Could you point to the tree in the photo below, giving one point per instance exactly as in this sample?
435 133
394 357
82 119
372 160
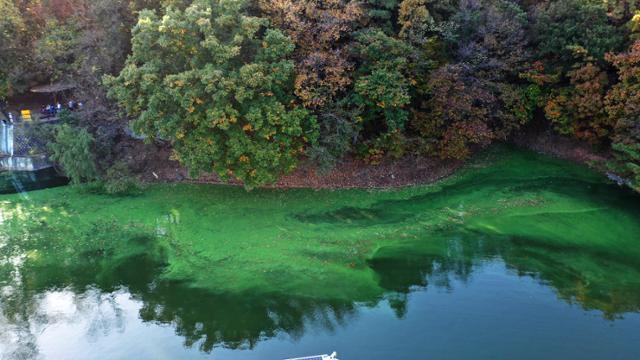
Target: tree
382 14
480 96
321 31
458 109
54 50
622 10
578 109
382 87
562 25
210 80
72 150
623 106
13 54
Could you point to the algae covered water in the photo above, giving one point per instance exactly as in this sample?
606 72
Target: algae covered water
517 256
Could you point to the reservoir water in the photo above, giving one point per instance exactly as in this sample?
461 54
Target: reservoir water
518 256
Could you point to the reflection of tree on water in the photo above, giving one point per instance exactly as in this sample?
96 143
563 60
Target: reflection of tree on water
587 277
134 263
236 321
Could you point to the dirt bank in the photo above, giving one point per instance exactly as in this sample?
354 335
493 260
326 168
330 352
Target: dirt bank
151 163
548 143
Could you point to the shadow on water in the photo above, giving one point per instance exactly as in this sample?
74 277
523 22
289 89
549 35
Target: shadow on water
20 181
485 179
397 211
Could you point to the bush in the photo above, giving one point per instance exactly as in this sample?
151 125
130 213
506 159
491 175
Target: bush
72 150
393 144
119 181
337 133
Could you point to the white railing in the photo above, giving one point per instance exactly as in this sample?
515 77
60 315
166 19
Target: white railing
6 139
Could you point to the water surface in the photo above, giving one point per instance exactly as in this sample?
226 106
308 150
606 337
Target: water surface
518 256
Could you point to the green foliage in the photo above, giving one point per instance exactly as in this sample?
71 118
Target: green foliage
628 161
72 150
12 52
54 51
382 13
119 181
393 144
206 79
562 25
246 89
382 87
337 135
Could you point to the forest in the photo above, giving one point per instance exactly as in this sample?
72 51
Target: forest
250 89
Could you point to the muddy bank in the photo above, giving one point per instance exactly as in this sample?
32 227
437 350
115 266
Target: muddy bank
151 162
549 143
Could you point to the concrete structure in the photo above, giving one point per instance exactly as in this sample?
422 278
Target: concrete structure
19 151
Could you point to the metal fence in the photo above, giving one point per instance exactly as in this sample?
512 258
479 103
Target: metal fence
20 148
20 140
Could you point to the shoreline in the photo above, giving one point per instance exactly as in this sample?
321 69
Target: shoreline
152 165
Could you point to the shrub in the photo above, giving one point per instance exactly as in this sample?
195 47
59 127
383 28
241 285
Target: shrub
72 150
118 180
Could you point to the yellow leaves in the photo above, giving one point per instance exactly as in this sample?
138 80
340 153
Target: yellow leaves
223 122
191 109
269 134
253 173
268 93
203 22
209 141
199 101
178 83
144 20
247 127
174 156
381 104
244 159
179 135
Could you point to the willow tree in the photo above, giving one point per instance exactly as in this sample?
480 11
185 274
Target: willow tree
218 84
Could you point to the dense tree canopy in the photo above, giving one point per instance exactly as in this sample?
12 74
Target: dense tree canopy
216 83
247 89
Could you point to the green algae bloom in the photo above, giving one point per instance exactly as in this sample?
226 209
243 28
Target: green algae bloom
267 259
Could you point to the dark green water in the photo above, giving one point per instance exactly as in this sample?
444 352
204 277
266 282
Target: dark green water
18 181
517 257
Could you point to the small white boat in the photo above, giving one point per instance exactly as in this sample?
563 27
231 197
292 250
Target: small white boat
317 357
